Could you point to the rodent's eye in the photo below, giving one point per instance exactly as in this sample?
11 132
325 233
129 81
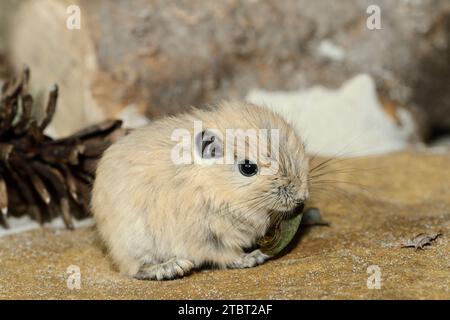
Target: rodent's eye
248 168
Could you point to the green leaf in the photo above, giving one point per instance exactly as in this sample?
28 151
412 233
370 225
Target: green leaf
280 235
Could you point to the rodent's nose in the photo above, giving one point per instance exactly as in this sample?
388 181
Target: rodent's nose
299 205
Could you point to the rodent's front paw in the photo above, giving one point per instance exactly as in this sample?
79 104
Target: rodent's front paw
174 268
249 260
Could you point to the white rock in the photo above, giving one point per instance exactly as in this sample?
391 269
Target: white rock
349 121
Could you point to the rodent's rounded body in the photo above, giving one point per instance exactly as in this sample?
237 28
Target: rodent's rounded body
160 219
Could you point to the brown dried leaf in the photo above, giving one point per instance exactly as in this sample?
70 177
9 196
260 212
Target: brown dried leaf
89 166
26 194
50 174
51 108
40 188
67 218
95 147
41 168
23 123
56 179
36 181
60 153
84 191
5 152
421 240
71 183
87 178
8 111
97 129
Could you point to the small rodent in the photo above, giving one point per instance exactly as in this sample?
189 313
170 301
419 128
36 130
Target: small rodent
159 220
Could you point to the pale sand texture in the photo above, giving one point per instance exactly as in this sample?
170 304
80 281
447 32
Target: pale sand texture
408 193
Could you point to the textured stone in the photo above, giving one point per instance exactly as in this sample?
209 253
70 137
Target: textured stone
166 55
403 195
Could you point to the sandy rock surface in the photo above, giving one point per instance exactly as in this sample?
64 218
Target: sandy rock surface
403 195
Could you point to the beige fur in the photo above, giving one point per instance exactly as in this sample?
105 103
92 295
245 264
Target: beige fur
159 220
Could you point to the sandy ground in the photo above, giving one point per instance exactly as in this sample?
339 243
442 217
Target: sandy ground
402 195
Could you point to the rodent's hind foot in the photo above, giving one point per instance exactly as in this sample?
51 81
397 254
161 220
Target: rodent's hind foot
249 260
174 268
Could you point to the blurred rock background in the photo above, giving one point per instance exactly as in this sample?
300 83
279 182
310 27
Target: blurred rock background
319 63
162 56
5 9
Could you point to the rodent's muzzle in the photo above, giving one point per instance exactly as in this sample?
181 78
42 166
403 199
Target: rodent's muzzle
300 206
298 209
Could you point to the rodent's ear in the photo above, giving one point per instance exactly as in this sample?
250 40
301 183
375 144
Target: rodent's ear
209 144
